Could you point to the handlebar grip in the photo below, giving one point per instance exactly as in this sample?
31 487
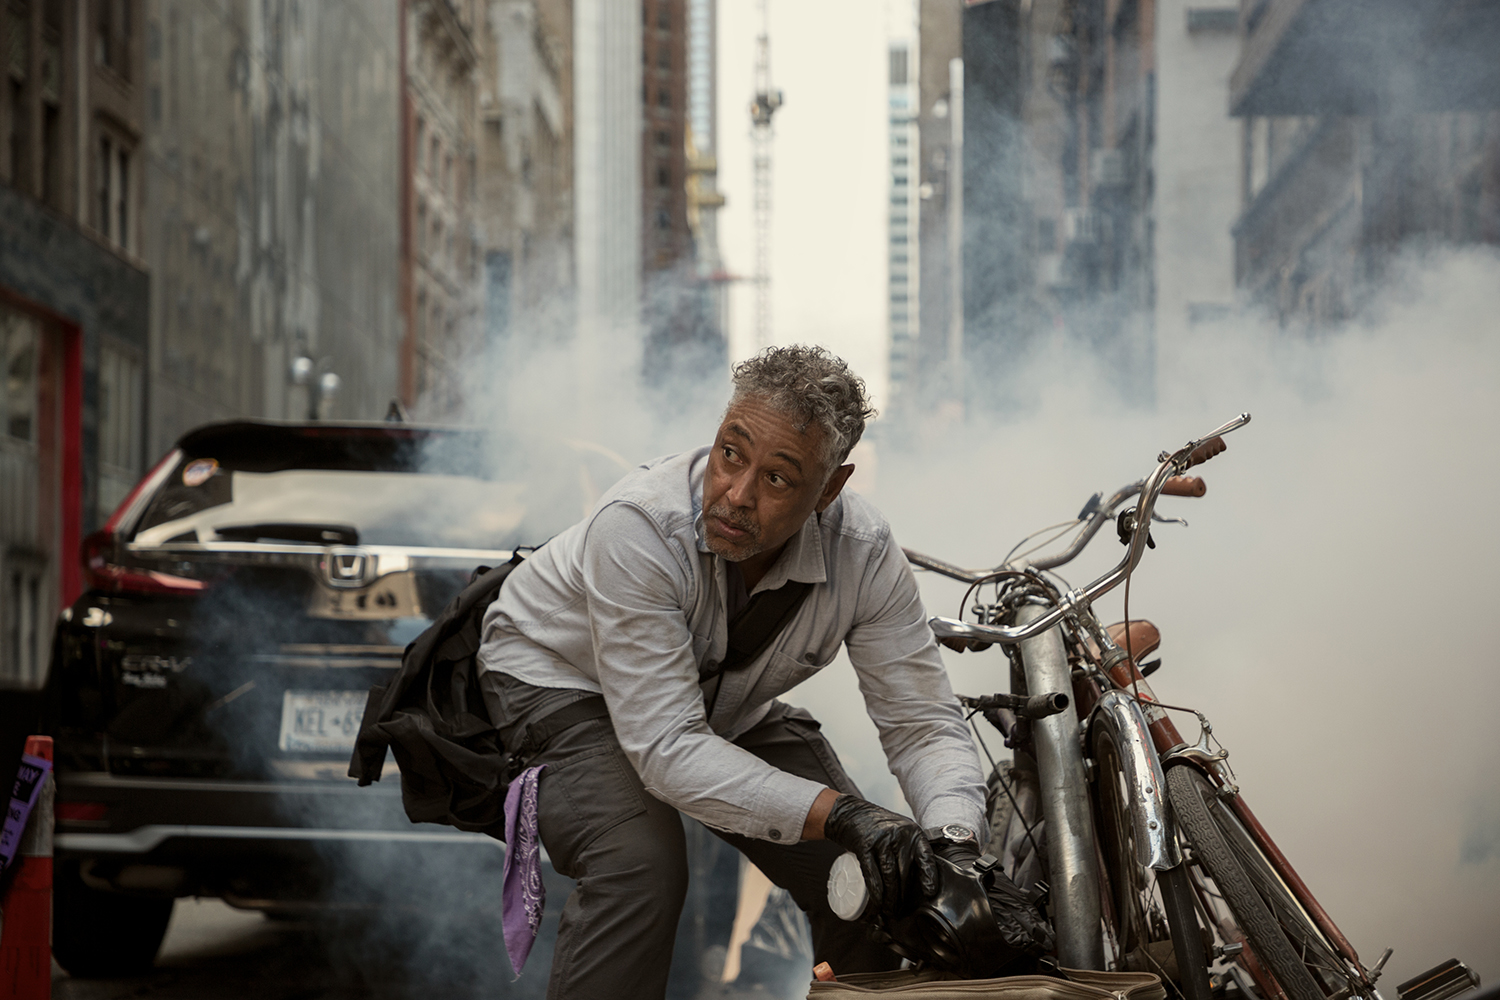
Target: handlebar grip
1185 486
1208 449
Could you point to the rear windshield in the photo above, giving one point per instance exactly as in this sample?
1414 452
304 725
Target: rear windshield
204 501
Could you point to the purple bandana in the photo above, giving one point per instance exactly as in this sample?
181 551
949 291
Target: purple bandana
523 896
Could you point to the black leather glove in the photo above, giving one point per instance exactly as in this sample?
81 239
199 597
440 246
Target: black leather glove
893 853
962 853
1021 923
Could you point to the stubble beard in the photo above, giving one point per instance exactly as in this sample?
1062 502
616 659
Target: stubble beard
725 549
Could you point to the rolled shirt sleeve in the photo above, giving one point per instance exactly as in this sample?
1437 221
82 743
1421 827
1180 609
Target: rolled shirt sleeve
908 696
638 587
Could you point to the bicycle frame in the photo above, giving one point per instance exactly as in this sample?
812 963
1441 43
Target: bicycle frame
1140 721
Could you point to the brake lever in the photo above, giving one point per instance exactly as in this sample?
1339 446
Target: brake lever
1125 528
1168 520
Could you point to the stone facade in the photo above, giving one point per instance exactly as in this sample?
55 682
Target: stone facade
73 301
272 217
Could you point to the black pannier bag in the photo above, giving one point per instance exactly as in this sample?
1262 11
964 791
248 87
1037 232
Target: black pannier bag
432 717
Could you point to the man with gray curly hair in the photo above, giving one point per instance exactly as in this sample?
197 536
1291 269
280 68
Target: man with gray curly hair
637 660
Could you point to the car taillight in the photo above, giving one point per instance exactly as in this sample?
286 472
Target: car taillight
80 810
104 574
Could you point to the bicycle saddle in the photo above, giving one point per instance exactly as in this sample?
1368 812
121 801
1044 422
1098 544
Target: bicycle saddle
1144 637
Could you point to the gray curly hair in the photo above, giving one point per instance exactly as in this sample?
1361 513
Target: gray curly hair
810 386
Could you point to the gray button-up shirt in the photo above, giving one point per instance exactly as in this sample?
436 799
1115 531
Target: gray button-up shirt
630 601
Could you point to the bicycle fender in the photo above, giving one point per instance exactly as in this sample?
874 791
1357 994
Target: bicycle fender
1155 838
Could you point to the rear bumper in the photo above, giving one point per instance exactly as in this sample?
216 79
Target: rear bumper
153 837
253 843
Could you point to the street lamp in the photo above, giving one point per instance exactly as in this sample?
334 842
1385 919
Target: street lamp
321 389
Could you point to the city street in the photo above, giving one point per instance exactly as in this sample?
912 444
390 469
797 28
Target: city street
213 951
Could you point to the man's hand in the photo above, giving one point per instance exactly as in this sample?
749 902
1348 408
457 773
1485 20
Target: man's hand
892 851
962 853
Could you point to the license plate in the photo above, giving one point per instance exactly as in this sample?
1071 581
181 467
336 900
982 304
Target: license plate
321 720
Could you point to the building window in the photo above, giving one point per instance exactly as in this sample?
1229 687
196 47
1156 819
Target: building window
663 98
122 198
112 35
19 335
898 67
663 176
51 186
17 118
112 191
664 139
106 157
24 614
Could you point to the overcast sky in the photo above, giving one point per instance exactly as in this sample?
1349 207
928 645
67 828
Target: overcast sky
828 229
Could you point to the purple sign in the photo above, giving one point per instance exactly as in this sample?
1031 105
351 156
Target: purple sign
30 778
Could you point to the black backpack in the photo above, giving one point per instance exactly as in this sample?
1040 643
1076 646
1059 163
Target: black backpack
454 768
432 716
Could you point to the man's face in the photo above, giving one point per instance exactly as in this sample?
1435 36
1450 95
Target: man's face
765 479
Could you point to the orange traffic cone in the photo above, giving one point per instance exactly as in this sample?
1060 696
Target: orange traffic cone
26 909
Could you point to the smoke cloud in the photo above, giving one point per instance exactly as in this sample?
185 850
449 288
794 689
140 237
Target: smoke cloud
1326 608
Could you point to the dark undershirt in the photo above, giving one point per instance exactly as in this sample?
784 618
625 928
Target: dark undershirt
736 594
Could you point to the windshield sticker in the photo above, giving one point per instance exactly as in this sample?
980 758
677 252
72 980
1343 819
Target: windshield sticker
199 470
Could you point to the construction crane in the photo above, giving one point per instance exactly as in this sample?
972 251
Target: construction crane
767 100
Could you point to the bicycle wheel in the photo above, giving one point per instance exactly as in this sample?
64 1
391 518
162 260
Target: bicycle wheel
1150 919
1284 938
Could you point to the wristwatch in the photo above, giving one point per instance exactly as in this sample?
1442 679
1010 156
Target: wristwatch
954 833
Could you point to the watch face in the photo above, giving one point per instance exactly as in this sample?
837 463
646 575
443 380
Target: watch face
958 833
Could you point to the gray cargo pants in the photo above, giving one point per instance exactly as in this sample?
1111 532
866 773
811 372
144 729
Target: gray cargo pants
626 849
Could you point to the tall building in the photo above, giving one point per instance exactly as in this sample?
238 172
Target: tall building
681 308
1363 131
73 300
441 255
272 210
934 362
903 274
703 197
1098 171
525 177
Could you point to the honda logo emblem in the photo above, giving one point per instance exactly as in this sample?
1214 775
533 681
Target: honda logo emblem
347 567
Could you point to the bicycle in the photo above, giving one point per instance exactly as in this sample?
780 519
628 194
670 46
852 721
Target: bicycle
1154 860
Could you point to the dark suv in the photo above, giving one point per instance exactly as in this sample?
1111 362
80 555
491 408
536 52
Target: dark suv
206 689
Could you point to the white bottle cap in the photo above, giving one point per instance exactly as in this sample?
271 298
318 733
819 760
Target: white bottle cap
847 893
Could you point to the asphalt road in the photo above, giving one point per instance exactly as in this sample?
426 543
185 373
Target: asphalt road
212 951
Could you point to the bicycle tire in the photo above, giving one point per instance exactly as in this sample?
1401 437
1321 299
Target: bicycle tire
1207 824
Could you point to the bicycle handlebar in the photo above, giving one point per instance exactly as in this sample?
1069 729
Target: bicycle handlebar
1184 486
1169 464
